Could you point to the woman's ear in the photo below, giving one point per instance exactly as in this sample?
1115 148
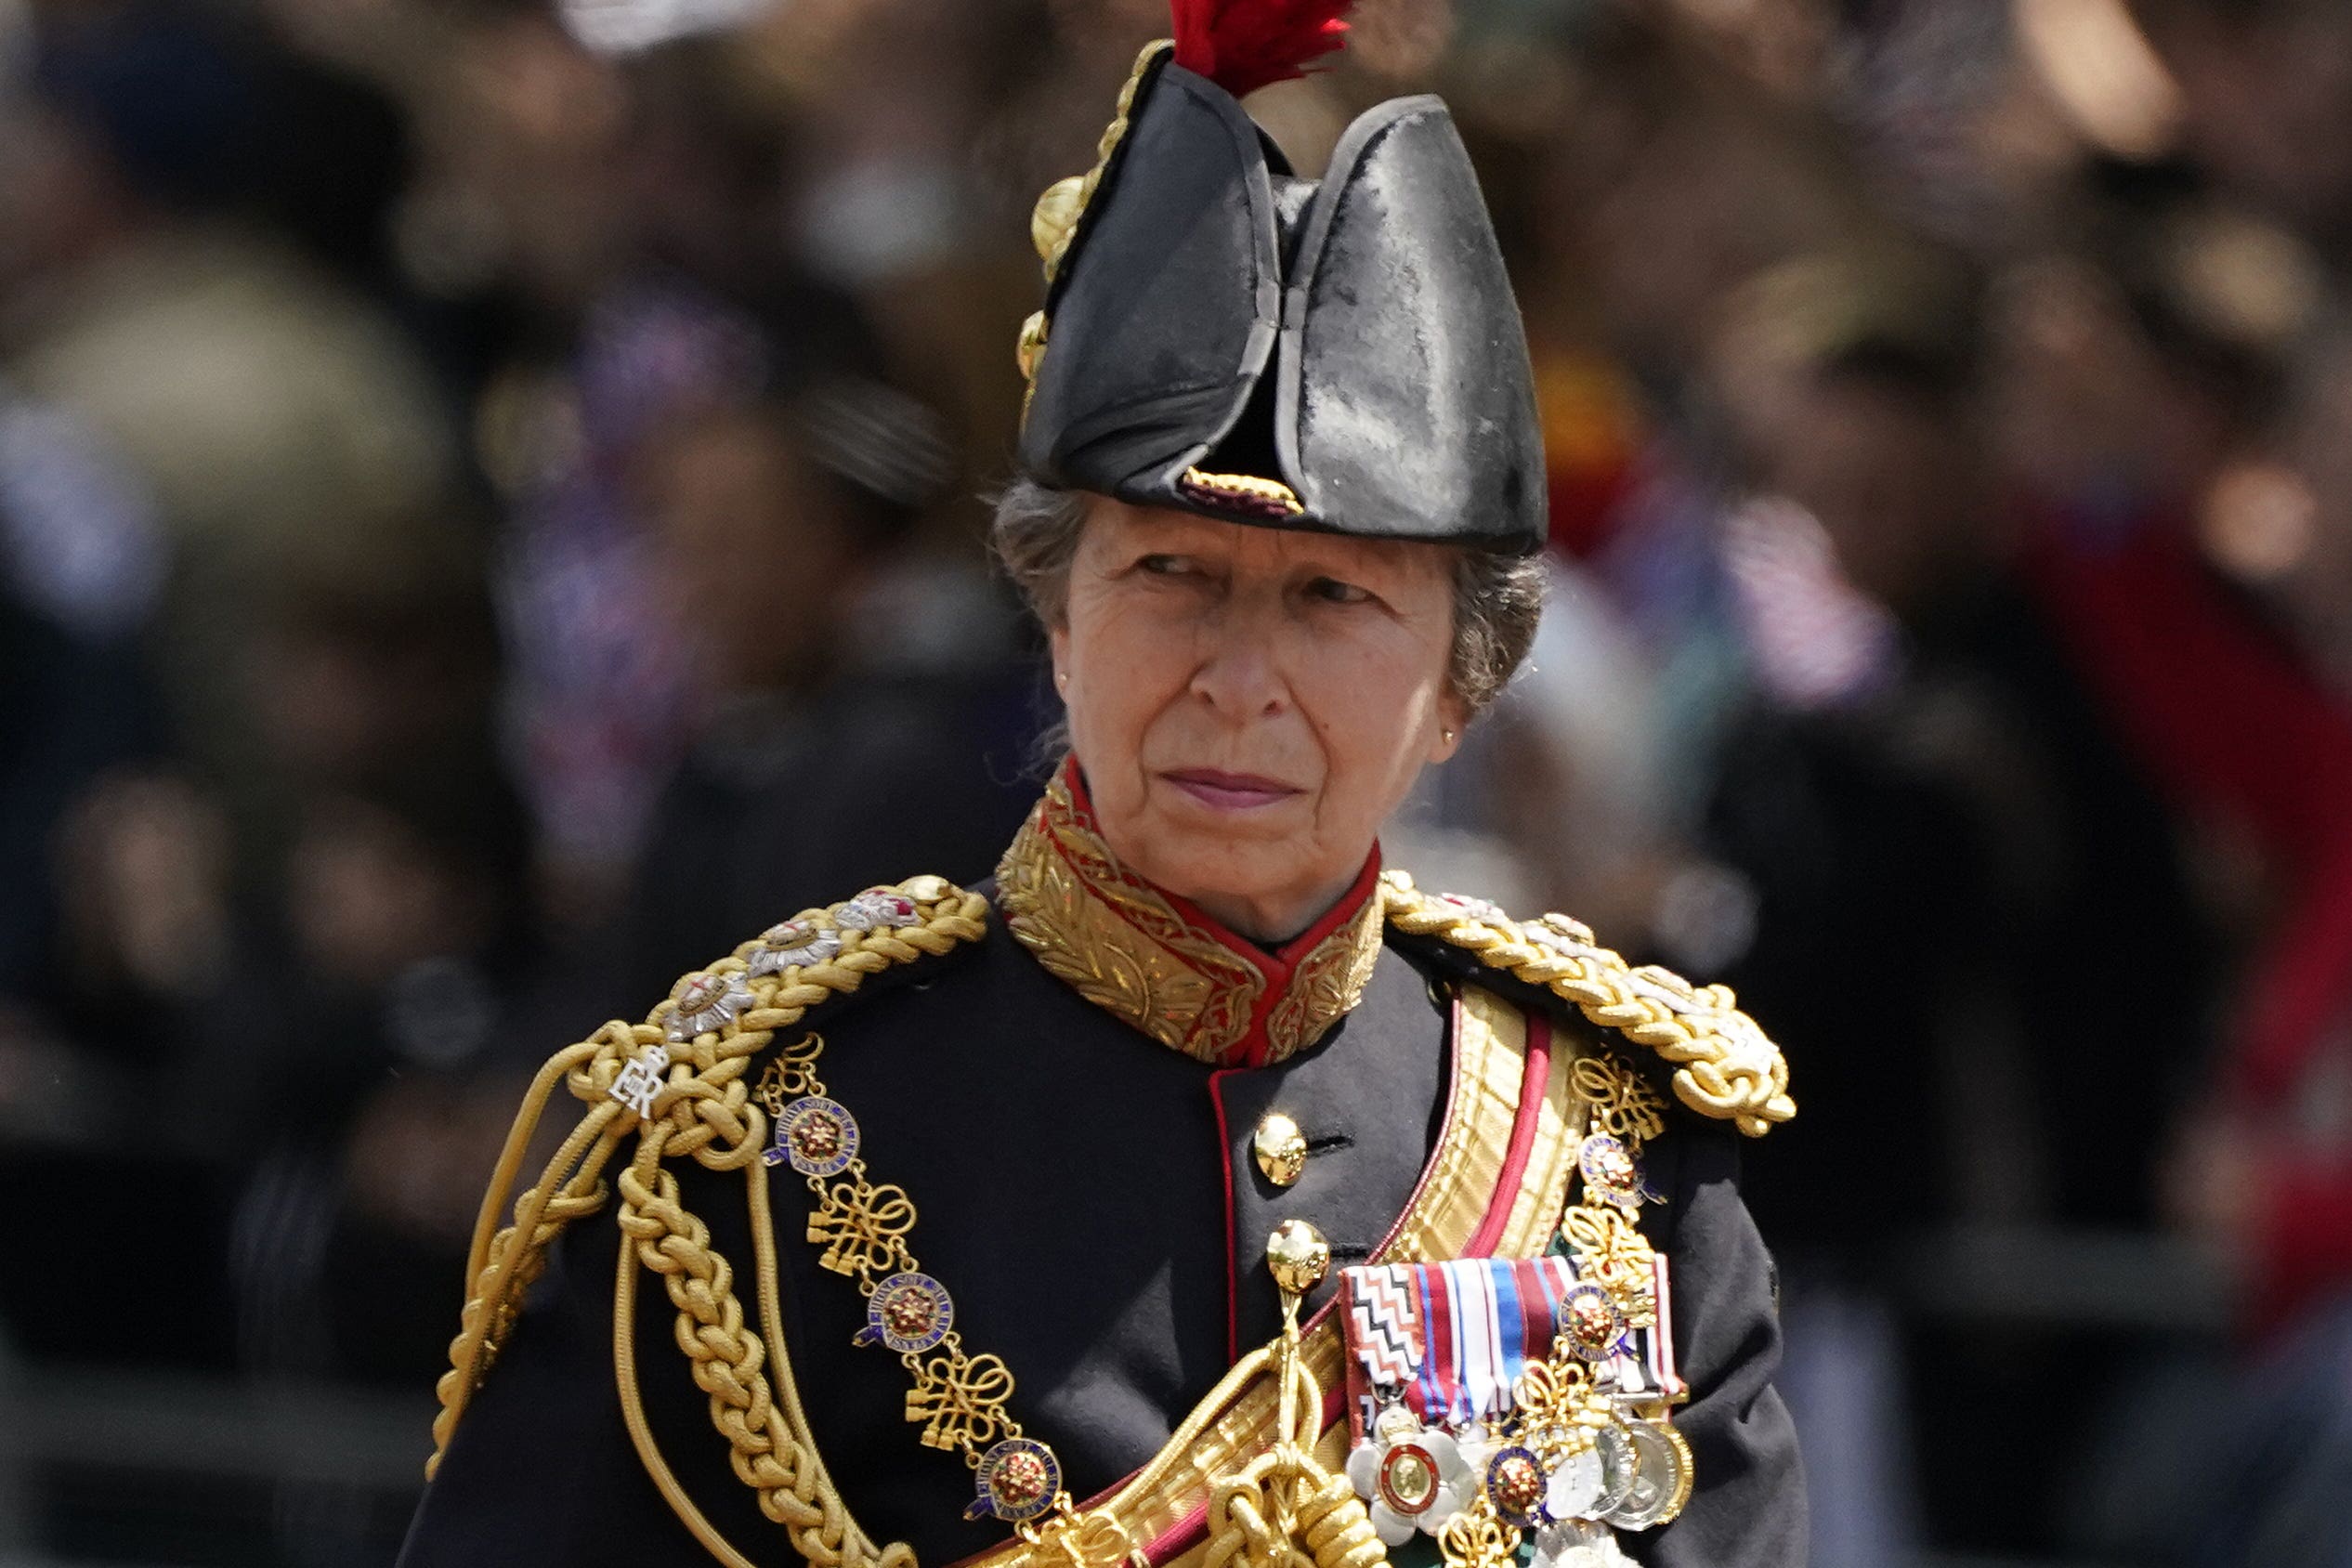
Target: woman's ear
1453 717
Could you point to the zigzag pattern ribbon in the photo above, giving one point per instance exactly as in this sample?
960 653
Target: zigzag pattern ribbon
1384 1322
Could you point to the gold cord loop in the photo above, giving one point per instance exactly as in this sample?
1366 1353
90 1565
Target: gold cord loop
704 1107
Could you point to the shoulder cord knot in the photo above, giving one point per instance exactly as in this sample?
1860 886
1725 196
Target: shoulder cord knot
704 1109
1285 1511
1724 1065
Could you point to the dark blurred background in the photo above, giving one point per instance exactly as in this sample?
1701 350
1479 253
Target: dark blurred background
489 517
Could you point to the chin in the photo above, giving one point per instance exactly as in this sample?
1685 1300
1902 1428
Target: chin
1196 870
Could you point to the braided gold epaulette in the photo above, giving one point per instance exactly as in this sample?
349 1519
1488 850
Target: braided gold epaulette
1724 1065
678 1081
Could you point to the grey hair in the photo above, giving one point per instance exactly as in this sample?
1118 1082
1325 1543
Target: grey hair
1498 599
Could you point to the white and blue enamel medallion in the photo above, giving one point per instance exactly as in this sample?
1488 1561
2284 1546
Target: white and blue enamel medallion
816 1135
1019 1479
910 1313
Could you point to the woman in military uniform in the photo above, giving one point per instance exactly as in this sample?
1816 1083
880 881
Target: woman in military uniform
1197 1192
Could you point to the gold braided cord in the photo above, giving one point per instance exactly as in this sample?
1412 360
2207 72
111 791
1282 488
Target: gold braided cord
502 1268
510 1157
727 1360
1283 1510
624 1365
810 1479
703 1109
1724 1065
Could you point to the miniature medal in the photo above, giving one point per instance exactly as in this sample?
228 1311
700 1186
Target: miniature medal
1576 1487
1613 1447
816 1135
1019 1480
910 1313
1409 1480
1516 1484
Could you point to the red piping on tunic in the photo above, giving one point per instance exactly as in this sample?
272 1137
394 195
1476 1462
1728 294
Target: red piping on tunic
1233 1241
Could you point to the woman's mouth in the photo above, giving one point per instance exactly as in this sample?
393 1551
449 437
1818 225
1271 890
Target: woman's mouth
1220 790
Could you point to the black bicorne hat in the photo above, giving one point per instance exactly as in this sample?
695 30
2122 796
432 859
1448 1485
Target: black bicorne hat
1223 337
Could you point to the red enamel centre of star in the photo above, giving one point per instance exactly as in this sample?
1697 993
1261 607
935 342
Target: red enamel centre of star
1020 1478
1518 1484
909 1312
1591 1319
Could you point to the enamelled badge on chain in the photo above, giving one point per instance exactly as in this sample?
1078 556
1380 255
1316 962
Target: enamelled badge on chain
1493 1397
960 1400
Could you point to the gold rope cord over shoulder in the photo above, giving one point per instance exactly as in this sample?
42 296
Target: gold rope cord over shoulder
678 1080
1724 1065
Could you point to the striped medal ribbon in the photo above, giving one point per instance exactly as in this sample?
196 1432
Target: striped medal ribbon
1447 1340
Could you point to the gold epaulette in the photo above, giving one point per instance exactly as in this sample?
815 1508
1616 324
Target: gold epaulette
678 1080
1724 1066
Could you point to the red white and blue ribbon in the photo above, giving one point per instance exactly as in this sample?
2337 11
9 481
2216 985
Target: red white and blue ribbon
1448 1340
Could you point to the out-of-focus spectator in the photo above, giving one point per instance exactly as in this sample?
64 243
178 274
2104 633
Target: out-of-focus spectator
833 745
1964 883
72 715
635 204
277 426
2266 100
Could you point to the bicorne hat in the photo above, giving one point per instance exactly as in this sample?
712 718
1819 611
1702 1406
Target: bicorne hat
1224 337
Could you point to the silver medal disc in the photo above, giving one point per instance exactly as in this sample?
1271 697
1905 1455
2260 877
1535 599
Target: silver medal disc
1660 1480
1620 1468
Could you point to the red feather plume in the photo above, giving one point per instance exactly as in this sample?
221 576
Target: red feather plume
1243 45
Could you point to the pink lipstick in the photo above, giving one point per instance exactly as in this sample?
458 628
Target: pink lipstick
1229 791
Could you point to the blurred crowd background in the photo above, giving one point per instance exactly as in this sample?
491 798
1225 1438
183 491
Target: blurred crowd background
490 498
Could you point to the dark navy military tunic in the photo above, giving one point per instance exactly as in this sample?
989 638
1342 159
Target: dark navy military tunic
1091 1200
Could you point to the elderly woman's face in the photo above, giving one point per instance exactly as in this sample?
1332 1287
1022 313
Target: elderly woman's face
1250 703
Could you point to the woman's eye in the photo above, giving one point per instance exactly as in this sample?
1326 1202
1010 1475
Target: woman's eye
1165 565
1330 590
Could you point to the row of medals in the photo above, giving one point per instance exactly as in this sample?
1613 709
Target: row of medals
1576 1454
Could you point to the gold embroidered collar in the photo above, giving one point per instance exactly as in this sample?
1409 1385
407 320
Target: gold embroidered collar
1161 964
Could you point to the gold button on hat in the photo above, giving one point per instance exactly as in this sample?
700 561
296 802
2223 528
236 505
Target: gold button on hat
1281 1149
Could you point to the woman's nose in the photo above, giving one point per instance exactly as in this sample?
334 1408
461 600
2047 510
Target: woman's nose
1238 674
